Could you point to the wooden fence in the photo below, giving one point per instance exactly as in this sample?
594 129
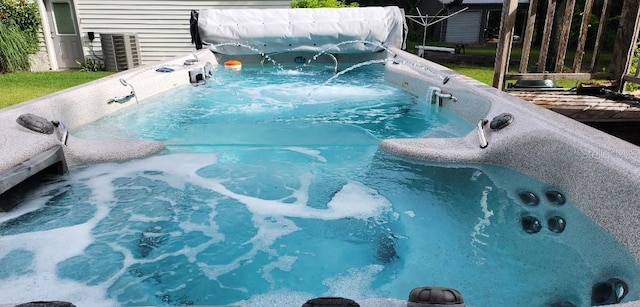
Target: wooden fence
624 46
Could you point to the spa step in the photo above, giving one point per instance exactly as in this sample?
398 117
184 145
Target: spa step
51 160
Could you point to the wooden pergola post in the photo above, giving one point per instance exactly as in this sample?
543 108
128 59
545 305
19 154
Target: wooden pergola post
546 35
584 27
564 35
602 26
626 39
626 43
503 50
528 36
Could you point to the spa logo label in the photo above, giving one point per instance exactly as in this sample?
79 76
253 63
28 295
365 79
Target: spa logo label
605 154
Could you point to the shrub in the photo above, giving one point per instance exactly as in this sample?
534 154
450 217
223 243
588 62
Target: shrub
321 3
19 24
630 86
91 65
14 55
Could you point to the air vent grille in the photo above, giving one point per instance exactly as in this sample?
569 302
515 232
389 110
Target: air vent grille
121 51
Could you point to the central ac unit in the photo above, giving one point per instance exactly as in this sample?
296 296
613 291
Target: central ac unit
120 51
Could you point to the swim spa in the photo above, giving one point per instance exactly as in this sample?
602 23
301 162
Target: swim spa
392 191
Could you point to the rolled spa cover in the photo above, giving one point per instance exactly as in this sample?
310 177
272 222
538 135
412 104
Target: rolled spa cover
334 30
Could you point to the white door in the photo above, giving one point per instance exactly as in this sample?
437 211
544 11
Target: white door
64 33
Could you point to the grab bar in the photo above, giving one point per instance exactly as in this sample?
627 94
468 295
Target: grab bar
442 95
481 135
63 130
122 99
435 95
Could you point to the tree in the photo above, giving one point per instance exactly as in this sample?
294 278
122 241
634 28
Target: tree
321 3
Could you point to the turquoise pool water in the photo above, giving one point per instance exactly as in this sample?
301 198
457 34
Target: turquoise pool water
273 190
282 107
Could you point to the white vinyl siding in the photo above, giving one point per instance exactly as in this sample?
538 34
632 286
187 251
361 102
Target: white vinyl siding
40 60
162 26
464 27
42 46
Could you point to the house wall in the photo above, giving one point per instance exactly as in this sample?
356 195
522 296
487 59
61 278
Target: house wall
440 31
477 28
465 27
481 26
162 26
40 60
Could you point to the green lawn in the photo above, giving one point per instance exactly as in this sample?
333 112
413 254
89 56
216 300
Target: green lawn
23 86
489 50
484 74
19 87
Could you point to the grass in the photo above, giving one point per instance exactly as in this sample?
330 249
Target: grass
489 50
19 87
484 74
23 86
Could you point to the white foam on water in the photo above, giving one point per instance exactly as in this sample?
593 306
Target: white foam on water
275 94
354 200
484 221
283 263
294 72
269 230
297 93
410 213
475 175
258 105
210 230
382 302
270 218
41 283
293 298
34 201
133 217
301 195
277 298
40 288
310 152
28 206
53 246
333 92
358 201
182 167
355 284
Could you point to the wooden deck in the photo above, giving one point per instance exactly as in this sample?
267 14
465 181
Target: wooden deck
582 108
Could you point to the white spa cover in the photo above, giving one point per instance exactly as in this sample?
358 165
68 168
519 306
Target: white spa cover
321 29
